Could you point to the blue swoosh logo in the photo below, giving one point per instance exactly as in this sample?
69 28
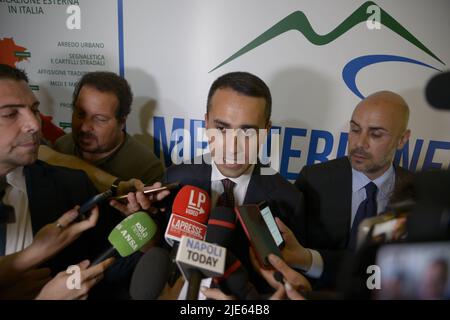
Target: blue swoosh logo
352 68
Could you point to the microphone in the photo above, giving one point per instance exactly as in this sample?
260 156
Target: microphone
221 226
129 236
150 275
235 281
190 211
199 259
437 91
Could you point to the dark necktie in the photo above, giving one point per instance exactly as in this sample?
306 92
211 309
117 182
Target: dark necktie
367 209
226 199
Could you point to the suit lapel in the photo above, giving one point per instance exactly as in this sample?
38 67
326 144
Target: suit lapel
257 190
42 196
204 177
343 209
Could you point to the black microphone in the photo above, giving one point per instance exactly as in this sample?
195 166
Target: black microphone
235 281
221 226
150 275
437 91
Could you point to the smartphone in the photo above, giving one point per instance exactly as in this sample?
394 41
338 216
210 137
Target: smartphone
257 233
385 227
271 224
92 202
169 186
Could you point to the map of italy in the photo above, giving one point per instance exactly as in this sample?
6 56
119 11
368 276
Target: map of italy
11 53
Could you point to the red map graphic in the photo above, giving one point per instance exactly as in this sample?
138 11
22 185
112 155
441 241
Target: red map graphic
8 50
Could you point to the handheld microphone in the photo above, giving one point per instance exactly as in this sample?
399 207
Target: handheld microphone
150 275
198 259
437 91
221 226
129 236
235 281
190 211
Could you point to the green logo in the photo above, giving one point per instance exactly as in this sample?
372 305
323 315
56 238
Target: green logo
298 21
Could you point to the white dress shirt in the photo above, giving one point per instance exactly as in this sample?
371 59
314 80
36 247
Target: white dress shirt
240 189
19 234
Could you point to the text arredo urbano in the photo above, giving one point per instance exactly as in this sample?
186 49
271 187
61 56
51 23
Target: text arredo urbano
84 44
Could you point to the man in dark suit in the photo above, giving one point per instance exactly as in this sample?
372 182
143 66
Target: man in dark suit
340 193
239 103
38 192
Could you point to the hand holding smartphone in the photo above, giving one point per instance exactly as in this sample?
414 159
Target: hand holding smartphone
169 186
91 203
258 233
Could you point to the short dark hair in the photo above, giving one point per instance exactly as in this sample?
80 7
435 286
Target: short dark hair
244 83
108 82
11 73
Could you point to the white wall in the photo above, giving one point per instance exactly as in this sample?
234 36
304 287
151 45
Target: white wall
170 46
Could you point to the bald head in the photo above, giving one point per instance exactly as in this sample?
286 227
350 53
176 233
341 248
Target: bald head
377 129
388 103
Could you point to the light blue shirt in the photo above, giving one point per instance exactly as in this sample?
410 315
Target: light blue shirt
385 185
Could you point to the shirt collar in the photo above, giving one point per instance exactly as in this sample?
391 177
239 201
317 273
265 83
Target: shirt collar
216 175
385 182
16 178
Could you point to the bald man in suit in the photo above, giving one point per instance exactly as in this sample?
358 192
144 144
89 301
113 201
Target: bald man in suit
337 192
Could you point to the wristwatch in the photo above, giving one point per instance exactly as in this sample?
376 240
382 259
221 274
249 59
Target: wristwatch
115 186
